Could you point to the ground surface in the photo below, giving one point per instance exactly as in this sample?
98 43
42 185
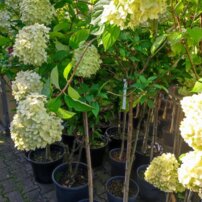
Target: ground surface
18 185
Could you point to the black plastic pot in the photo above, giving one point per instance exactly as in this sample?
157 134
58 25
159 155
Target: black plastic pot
87 200
43 170
72 194
112 198
140 159
147 191
114 140
97 155
117 167
68 140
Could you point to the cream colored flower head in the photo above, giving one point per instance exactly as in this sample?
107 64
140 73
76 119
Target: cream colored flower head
190 172
36 11
5 17
31 44
192 105
162 173
32 126
129 14
25 83
191 127
90 63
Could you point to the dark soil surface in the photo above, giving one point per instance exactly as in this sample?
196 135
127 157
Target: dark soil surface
116 188
115 156
40 156
67 180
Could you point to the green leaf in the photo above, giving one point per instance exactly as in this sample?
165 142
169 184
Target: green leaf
78 37
197 87
55 77
96 108
110 36
4 41
195 33
77 104
73 93
54 104
61 26
47 88
67 70
157 43
59 46
64 114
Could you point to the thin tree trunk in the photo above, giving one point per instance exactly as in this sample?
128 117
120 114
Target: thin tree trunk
123 135
88 157
48 153
168 197
146 133
155 125
129 148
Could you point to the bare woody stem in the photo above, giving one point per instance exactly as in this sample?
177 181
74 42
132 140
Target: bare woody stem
129 148
123 135
75 68
88 156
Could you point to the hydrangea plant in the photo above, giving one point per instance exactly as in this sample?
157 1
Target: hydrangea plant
129 14
36 11
162 173
26 82
31 44
191 129
89 64
190 171
33 126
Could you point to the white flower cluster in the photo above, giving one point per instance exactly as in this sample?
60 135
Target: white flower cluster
5 16
129 14
26 82
36 11
191 128
13 4
162 173
32 126
89 64
31 44
190 171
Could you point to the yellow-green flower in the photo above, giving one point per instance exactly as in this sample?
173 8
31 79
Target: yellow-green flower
26 82
190 172
162 173
32 126
129 14
36 11
89 64
31 44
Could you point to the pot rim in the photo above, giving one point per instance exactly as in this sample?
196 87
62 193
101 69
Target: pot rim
140 168
120 177
67 188
111 158
45 163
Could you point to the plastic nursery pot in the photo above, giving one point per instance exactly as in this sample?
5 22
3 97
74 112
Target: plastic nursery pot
97 155
68 140
112 198
43 170
86 200
70 194
114 140
117 167
147 191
